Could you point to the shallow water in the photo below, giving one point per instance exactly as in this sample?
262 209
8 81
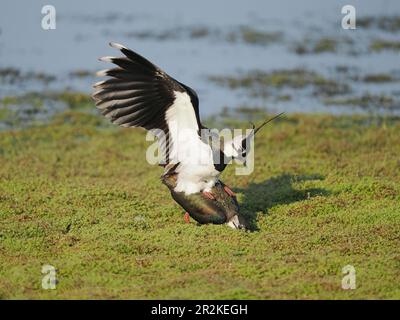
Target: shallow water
163 31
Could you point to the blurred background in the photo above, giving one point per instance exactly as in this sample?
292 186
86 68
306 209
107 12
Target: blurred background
242 57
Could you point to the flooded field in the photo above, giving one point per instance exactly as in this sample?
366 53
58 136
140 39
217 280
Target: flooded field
246 56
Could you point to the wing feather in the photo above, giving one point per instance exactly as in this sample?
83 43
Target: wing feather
139 94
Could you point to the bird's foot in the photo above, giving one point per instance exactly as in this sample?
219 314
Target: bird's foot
208 195
229 191
187 217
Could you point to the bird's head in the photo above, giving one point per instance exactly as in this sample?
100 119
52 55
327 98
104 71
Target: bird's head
239 146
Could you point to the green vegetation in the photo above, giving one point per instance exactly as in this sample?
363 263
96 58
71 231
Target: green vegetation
81 73
199 32
319 46
379 77
253 36
243 34
78 194
191 32
229 117
13 75
74 100
258 82
35 99
163 35
379 45
325 45
387 23
27 107
367 101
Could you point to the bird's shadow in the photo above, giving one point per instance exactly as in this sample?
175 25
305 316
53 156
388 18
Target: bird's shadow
274 191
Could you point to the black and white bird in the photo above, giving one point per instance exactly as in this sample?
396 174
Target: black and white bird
140 94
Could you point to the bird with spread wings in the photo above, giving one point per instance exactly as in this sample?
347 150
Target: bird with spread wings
137 93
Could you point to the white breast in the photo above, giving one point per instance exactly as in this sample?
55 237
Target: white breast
196 171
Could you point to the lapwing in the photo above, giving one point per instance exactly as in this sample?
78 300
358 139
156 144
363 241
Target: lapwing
137 93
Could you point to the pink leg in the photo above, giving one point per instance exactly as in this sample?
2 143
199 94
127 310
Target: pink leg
187 217
208 195
229 191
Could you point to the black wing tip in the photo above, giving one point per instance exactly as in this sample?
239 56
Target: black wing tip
125 50
135 57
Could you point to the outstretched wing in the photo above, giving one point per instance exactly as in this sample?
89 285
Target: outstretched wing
139 94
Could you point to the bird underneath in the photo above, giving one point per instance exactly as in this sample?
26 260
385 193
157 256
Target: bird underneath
137 93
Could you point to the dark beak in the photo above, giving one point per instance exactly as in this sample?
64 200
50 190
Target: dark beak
246 141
